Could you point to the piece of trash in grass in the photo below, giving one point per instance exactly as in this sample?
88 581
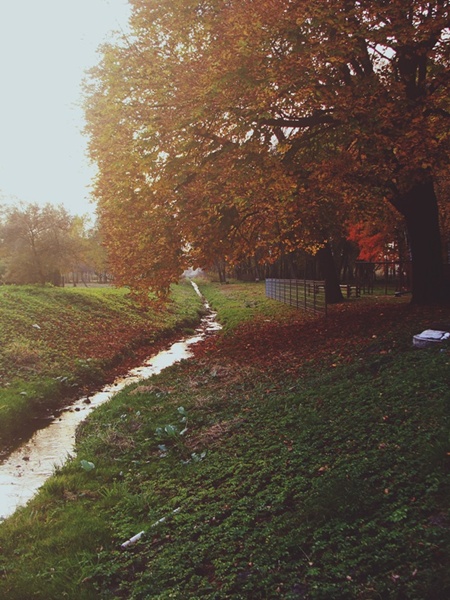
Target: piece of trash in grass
138 536
133 539
162 519
430 337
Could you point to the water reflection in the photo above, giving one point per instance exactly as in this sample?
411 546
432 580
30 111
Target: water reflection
27 468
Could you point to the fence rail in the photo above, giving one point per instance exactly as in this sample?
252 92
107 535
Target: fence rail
301 293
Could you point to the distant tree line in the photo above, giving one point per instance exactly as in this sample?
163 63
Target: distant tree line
40 244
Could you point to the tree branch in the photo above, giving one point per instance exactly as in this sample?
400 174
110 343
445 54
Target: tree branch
317 118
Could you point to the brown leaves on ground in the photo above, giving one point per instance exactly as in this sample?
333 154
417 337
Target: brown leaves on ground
348 328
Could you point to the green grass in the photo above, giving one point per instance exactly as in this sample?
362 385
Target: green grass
238 303
315 465
55 340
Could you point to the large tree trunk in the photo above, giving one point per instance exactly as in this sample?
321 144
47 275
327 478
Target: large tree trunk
420 209
328 270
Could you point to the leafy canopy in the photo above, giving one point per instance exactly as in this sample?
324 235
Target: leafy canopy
226 128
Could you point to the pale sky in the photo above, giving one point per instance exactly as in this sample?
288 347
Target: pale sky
45 48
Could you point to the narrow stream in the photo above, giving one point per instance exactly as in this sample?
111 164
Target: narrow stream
28 467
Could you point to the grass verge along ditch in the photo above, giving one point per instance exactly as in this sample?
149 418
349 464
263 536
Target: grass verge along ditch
291 458
58 341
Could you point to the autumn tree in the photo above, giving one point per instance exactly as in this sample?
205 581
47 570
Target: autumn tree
39 243
380 241
94 253
268 125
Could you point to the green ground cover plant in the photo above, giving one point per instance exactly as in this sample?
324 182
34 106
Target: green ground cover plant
56 341
291 458
239 302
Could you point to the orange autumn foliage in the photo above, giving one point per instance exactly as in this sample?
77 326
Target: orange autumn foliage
221 128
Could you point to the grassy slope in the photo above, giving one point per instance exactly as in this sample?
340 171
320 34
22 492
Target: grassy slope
55 340
315 465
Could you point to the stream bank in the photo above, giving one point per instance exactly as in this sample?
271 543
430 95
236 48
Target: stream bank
59 344
26 468
313 467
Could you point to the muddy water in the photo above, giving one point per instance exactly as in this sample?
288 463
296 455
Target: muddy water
27 468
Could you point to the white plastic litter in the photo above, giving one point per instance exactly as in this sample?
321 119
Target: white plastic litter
138 536
133 539
430 337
